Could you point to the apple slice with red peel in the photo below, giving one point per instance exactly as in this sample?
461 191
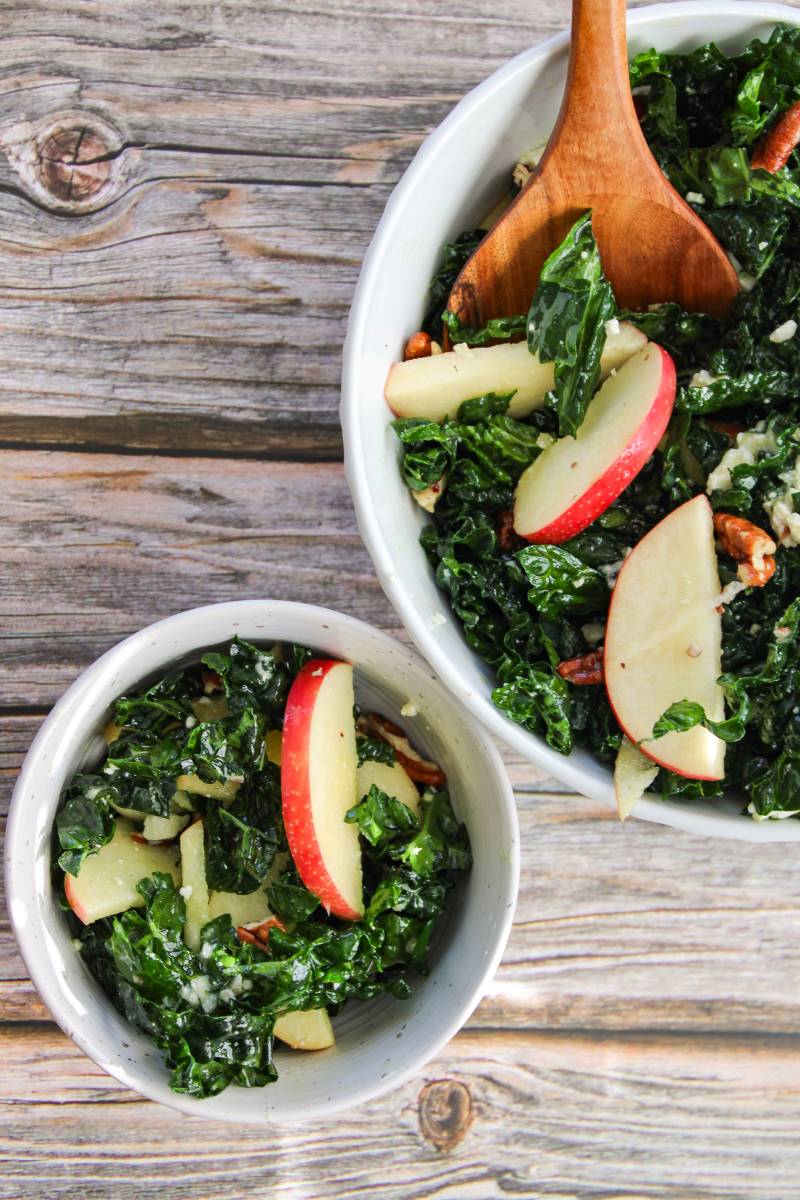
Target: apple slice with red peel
436 387
575 480
664 640
318 785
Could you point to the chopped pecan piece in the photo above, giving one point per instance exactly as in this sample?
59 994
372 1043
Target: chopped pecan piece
751 547
258 934
417 346
420 769
731 429
777 144
585 669
507 538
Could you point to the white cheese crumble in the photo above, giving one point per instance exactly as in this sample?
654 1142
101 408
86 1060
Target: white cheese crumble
206 950
593 631
695 198
409 709
611 571
747 281
439 619
199 993
76 943
784 332
780 509
730 592
186 890
750 445
612 327
190 722
702 379
461 348
763 245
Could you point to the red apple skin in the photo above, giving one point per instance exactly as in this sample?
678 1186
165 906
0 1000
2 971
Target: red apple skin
605 490
72 898
646 747
296 792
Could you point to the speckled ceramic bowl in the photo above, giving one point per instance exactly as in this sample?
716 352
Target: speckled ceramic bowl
458 175
379 1044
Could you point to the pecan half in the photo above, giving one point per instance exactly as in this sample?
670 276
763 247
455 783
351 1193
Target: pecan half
585 669
507 538
751 547
777 144
420 769
417 346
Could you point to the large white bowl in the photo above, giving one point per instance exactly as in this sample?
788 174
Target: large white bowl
456 177
379 1044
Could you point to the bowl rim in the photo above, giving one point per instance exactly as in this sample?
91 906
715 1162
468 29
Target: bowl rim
96 682
531 746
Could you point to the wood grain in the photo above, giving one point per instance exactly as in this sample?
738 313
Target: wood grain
580 1116
162 334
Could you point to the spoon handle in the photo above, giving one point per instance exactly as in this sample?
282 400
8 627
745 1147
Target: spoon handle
597 101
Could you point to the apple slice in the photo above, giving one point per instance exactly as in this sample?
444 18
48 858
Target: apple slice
574 480
664 640
106 883
391 778
318 785
242 910
633 774
164 829
436 387
309 1030
195 887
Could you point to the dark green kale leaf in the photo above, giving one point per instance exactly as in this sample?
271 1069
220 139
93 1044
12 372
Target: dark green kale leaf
374 750
430 449
454 256
567 322
499 329
538 699
230 748
382 820
243 837
290 899
255 678
560 582
159 707
86 821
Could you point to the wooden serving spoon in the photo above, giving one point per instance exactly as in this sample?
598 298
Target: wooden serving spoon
652 245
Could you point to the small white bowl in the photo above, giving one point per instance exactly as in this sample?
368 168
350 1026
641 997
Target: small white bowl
456 177
378 1044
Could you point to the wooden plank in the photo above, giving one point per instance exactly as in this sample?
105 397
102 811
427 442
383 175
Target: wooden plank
577 1116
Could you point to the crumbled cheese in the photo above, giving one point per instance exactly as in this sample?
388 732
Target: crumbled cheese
763 245
247 985
436 349
695 198
779 507
93 792
110 769
784 332
611 571
461 348
76 943
750 445
593 631
190 722
439 619
730 592
263 670
782 633
612 327
199 993
409 709
226 995
747 281
545 439
206 950
702 378
186 890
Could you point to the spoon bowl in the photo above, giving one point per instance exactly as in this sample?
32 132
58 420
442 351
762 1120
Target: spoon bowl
653 246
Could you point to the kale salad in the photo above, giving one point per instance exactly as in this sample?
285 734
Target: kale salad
723 464
252 852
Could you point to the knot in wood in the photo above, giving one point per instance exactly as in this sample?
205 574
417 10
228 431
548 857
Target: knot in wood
75 163
445 1112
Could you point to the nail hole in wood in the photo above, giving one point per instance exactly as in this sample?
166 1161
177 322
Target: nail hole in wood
445 1112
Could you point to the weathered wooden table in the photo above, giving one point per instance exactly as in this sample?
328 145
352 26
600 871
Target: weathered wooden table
186 192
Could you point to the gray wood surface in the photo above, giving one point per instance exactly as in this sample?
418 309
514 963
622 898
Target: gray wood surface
186 193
